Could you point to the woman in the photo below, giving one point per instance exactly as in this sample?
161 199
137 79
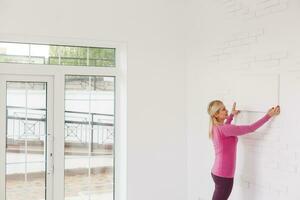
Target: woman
224 137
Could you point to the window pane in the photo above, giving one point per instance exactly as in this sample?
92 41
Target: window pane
39 54
101 57
73 55
14 53
89 137
57 55
25 141
54 58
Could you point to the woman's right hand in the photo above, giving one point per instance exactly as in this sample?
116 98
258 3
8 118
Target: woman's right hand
274 111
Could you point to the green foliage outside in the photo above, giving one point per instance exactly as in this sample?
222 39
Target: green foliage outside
84 56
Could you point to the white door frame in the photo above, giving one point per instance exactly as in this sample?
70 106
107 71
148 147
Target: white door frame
27 78
58 74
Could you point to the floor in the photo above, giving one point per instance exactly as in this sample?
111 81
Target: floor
76 188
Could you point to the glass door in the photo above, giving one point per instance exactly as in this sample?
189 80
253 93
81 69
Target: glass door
89 137
27 158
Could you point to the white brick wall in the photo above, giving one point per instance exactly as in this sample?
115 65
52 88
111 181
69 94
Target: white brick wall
236 43
251 10
233 37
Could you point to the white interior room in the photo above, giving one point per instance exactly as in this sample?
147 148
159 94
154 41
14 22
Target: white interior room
131 123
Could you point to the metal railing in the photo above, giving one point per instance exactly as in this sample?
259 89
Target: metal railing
80 127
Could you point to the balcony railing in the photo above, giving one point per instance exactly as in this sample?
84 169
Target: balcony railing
80 127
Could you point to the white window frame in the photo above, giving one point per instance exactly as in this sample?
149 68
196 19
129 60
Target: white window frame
58 73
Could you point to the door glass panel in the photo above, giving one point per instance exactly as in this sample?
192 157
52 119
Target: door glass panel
26 140
89 137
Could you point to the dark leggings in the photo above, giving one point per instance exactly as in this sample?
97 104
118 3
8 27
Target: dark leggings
223 187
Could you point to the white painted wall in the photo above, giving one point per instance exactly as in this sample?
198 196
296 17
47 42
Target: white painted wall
225 37
228 38
154 34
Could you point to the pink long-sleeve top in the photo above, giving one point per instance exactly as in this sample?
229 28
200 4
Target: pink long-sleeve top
225 144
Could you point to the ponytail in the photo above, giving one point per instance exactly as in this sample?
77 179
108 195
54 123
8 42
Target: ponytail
210 128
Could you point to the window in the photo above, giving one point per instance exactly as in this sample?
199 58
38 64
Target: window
89 137
26 140
64 127
56 55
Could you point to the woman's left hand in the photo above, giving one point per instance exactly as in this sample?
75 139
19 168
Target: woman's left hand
234 111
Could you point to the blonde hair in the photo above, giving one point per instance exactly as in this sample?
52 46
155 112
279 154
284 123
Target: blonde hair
212 109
